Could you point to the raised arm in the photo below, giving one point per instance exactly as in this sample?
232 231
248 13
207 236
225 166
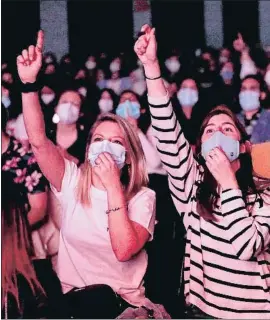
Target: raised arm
48 157
174 150
247 64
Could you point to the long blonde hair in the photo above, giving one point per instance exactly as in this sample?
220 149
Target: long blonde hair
133 176
16 245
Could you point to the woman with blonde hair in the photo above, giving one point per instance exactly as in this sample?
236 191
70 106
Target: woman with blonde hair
108 213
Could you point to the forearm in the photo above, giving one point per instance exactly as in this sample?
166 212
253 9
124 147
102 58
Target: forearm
36 215
155 88
123 236
33 117
150 151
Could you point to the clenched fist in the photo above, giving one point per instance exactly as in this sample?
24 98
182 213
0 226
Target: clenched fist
146 46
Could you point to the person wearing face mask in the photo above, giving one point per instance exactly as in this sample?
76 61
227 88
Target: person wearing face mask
230 85
225 208
106 101
65 131
138 83
91 64
108 212
224 56
189 113
255 119
160 259
173 65
5 97
115 65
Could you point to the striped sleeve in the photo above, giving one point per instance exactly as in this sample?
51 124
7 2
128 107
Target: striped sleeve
248 234
175 152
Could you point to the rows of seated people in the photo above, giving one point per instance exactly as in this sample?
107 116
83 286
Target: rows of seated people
75 99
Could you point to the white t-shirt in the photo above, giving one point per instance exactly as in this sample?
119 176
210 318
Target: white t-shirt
85 254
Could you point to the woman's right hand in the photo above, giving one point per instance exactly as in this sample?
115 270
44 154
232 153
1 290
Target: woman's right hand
146 46
30 61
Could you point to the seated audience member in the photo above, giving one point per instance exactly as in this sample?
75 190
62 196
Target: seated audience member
26 293
101 79
224 56
190 112
107 100
225 207
21 167
66 131
254 118
108 213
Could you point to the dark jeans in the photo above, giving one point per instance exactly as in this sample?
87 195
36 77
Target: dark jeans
94 302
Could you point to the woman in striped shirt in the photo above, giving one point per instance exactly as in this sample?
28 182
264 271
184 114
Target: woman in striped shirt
226 210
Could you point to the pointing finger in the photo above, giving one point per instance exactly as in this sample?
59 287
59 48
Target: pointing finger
40 41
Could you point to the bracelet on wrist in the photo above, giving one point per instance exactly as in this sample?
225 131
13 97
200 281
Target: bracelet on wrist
152 78
115 209
30 87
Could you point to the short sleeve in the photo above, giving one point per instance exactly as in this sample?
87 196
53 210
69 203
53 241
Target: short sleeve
69 181
142 209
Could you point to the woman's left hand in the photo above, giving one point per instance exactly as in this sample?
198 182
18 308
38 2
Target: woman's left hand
220 167
107 171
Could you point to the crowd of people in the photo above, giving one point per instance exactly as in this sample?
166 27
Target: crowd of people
136 182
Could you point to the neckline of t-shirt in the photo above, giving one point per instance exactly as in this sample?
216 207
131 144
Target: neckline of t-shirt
98 193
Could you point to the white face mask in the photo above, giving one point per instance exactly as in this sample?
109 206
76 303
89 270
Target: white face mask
139 87
138 74
223 59
249 100
19 129
267 78
68 113
90 65
6 101
117 151
47 97
83 91
48 60
105 105
115 66
187 97
172 65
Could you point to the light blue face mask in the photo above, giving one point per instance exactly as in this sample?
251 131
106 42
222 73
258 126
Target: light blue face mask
230 146
187 97
227 75
249 100
117 151
6 101
129 109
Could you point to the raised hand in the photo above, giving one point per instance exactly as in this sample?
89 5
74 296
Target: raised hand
30 61
239 44
220 167
146 46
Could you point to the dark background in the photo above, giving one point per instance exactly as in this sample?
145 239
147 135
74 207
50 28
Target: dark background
108 25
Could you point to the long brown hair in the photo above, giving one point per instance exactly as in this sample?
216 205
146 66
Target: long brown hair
133 176
207 195
16 244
